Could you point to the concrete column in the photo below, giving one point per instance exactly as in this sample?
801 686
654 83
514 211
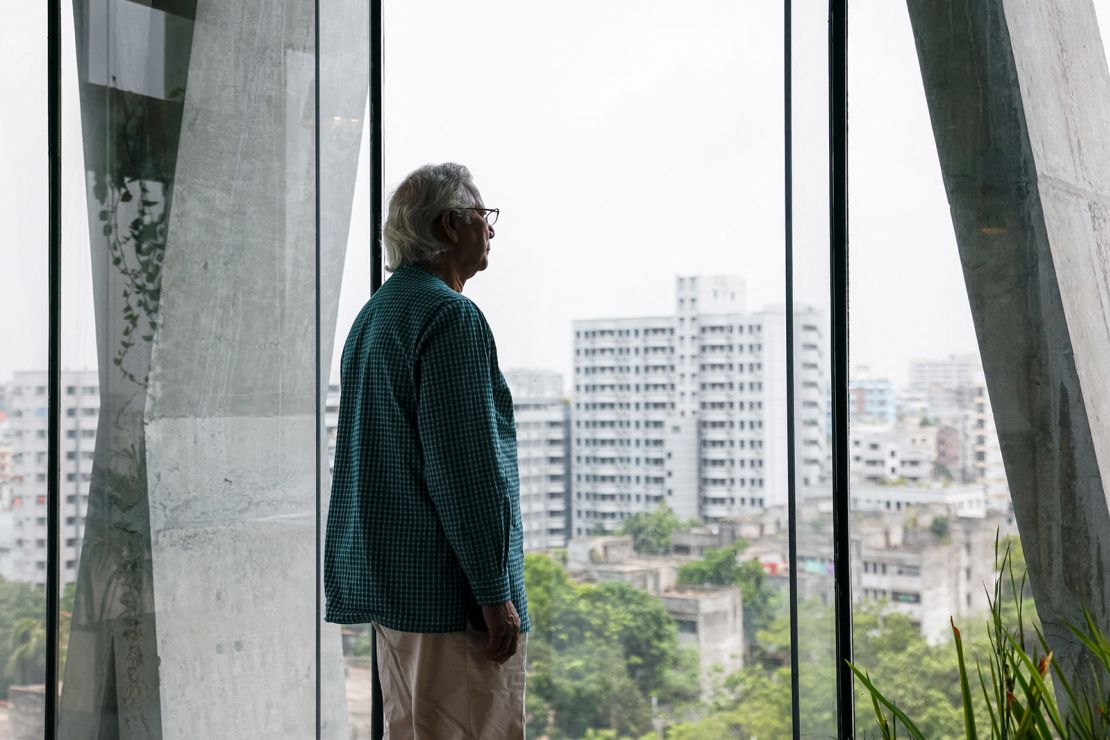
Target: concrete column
1019 96
195 612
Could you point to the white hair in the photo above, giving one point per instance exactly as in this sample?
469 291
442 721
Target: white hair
420 199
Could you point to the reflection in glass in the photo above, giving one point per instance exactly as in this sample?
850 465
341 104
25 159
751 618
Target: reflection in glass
132 84
345 194
194 609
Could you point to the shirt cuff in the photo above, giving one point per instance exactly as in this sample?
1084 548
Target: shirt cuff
492 591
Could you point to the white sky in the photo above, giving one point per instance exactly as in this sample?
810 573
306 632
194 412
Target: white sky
626 142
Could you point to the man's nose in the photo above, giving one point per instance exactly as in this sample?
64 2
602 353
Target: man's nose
492 233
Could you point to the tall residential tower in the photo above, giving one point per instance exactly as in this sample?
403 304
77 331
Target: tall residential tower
689 410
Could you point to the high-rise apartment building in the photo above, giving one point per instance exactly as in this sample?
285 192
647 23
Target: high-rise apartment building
954 392
27 418
986 466
689 410
543 436
945 384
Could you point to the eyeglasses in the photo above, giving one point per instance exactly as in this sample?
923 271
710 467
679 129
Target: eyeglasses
489 214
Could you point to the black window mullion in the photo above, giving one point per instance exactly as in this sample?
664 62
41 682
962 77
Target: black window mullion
838 263
54 330
377 723
376 61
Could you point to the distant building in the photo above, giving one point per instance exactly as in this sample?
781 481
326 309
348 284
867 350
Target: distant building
958 500
939 570
708 618
924 561
886 453
711 620
27 417
986 463
949 449
946 383
543 445
871 399
7 532
689 410
953 393
6 453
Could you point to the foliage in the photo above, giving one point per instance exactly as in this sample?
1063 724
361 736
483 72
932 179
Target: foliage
134 186
719 567
598 654
363 645
26 651
22 635
1009 694
651 531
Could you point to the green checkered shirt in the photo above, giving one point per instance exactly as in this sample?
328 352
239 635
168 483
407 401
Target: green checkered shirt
424 518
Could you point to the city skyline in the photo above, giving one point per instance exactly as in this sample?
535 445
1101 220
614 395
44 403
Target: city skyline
695 556
905 268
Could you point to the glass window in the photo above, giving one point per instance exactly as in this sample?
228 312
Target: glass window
23 389
611 148
929 513
190 311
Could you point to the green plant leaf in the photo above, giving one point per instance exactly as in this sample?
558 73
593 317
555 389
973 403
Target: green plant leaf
1046 698
995 730
965 689
899 715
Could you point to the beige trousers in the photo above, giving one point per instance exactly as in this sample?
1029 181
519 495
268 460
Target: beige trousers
441 687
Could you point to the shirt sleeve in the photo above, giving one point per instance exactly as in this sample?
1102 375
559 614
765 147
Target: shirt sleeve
458 428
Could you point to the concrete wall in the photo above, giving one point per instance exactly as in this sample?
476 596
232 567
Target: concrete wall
1019 96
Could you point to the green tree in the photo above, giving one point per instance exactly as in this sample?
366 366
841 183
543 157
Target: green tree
759 601
22 634
717 568
597 654
651 532
26 651
635 621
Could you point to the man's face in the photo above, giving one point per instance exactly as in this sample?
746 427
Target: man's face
472 250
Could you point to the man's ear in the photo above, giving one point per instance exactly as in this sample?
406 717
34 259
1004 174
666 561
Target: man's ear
448 224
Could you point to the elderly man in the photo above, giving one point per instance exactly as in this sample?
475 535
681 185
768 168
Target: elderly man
424 539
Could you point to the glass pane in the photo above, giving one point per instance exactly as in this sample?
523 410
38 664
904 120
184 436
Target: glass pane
929 491
813 371
345 182
189 334
635 291
23 377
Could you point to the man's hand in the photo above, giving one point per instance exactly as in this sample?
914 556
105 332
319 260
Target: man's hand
503 624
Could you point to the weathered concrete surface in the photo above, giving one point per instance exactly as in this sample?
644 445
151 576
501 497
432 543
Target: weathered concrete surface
1019 95
231 416
196 600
